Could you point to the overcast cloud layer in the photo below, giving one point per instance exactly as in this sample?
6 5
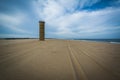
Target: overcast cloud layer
64 18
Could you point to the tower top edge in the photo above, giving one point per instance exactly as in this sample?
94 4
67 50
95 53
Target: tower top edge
41 21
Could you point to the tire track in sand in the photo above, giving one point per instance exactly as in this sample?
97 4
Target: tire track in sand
79 73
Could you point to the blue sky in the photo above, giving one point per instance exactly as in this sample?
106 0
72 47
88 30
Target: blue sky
64 18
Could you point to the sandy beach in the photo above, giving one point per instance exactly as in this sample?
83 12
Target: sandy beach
53 59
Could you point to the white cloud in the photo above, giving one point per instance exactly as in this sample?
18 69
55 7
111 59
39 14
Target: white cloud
62 16
69 5
87 3
13 21
48 10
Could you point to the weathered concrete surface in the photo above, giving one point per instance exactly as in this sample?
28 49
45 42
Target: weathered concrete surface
58 60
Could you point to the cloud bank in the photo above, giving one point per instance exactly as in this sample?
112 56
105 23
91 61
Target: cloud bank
69 19
64 18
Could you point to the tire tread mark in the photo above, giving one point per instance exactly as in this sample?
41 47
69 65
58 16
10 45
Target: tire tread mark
102 66
79 73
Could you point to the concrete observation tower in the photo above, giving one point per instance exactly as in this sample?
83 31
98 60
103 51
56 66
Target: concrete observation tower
41 30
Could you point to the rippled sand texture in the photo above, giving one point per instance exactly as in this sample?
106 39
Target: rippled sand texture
58 60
